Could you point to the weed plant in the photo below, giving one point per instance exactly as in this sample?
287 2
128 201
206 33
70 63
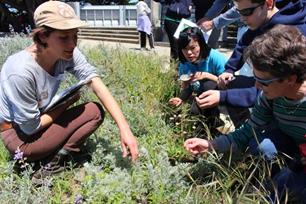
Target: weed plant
164 173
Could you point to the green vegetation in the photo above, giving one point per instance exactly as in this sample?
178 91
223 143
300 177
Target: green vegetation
164 173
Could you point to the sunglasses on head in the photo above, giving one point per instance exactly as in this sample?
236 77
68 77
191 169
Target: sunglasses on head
265 82
248 11
186 35
190 32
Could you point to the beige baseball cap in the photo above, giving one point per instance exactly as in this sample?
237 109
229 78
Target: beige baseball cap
57 15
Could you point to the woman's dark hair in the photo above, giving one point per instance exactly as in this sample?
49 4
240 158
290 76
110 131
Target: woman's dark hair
192 33
281 52
38 31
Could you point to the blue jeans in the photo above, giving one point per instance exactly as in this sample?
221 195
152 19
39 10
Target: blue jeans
292 179
282 142
294 182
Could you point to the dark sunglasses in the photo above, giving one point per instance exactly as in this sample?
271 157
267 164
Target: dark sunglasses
248 11
265 82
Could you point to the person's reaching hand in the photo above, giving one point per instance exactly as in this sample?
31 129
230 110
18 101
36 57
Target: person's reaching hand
197 145
176 101
207 25
129 144
199 76
208 99
224 79
202 21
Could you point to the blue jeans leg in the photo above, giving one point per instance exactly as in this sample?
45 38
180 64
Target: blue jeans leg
282 142
286 180
289 181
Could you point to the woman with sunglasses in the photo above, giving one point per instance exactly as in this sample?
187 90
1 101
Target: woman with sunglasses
199 68
260 16
30 79
277 125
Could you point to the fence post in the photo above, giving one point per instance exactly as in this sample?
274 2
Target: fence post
95 17
121 15
122 10
76 7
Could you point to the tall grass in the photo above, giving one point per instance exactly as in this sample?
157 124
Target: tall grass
142 87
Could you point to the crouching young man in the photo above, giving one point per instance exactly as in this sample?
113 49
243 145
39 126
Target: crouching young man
278 59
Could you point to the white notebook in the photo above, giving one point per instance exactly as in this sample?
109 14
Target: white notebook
187 23
65 95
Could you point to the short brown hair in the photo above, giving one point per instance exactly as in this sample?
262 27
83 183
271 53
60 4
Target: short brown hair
37 31
281 52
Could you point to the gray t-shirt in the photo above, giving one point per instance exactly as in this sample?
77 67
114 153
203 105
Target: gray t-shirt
26 88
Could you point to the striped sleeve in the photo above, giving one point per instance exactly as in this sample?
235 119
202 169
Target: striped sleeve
262 115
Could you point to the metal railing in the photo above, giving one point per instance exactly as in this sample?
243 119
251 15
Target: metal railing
117 15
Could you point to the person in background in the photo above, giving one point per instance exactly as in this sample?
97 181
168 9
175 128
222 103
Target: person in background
278 59
260 16
200 65
30 79
144 25
201 7
176 10
205 22
230 16
214 20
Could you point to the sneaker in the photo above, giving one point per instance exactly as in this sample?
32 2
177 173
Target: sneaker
226 126
47 168
79 158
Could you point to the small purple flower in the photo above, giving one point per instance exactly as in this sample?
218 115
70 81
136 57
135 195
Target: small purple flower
78 199
18 154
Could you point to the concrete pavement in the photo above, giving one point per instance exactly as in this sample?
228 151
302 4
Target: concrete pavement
160 50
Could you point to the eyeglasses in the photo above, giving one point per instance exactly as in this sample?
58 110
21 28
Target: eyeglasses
265 82
248 11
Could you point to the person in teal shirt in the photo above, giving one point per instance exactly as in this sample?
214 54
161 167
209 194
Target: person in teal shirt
199 68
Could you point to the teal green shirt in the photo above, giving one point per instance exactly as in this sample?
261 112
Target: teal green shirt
290 117
213 64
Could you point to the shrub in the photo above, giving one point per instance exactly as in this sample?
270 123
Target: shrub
142 87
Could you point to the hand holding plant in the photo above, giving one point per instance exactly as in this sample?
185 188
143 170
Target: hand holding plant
208 99
199 76
197 145
224 79
176 101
